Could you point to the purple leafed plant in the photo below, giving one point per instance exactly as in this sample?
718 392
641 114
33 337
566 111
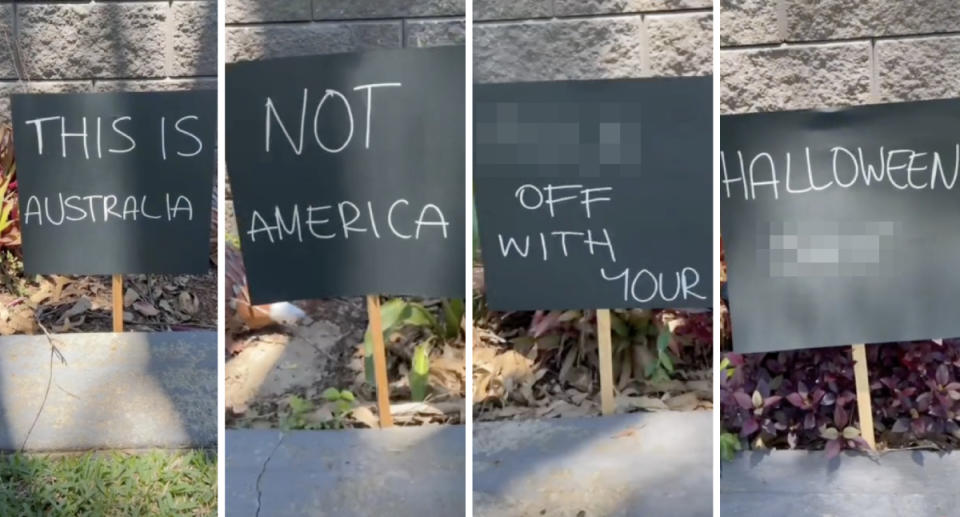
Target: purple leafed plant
807 399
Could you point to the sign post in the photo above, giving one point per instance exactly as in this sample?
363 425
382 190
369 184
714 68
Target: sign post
118 303
864 404
604 338
379 361
365 190
839 227
595 194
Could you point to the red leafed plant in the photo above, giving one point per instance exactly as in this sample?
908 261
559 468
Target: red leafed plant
806 399
646 343
9 209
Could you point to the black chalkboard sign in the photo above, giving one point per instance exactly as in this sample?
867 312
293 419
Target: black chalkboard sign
595 194
114 183
348 173
840 227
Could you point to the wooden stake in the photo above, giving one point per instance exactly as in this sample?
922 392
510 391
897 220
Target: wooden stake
604 343
118 303
864 406
379 361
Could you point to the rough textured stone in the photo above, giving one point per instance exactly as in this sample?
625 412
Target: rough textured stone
261 11
916 69
434 33
581 7
800 77
356 9
60 41
8 69
8 88
833 19
594 48
748 22
156 85
261 42
511 9
193 48
680 45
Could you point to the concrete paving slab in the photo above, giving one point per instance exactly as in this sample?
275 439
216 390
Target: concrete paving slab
641 464
805 483
111 391
400 472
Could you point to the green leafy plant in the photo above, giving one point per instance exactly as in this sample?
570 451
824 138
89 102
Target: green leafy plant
662 367
398 313
9 208
343 401
300 408
303 415
727 369
729 446
420 373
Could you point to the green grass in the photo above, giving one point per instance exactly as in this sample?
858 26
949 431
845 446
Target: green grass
109 484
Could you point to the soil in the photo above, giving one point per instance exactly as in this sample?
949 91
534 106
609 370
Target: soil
321 353
326 351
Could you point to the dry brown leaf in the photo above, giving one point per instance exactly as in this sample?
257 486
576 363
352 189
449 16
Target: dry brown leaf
625 404
59 283
481 384
564 409
685 402
43 292
188 302
145 308
365 416
515 367
580 377
130 296
82 305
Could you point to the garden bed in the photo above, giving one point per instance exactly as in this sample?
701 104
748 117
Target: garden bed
282 377
152 303
544 364
294 377
807 399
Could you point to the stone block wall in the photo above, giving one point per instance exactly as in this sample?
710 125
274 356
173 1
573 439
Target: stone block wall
74 46
543 40
800 54
261 29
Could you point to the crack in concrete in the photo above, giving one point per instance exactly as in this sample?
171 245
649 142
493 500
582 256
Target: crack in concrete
263 469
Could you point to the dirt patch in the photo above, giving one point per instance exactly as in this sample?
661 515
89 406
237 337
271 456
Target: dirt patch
302 361
326 351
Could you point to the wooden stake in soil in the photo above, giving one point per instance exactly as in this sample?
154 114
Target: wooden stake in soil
604 340
379 361
118 303
864 406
